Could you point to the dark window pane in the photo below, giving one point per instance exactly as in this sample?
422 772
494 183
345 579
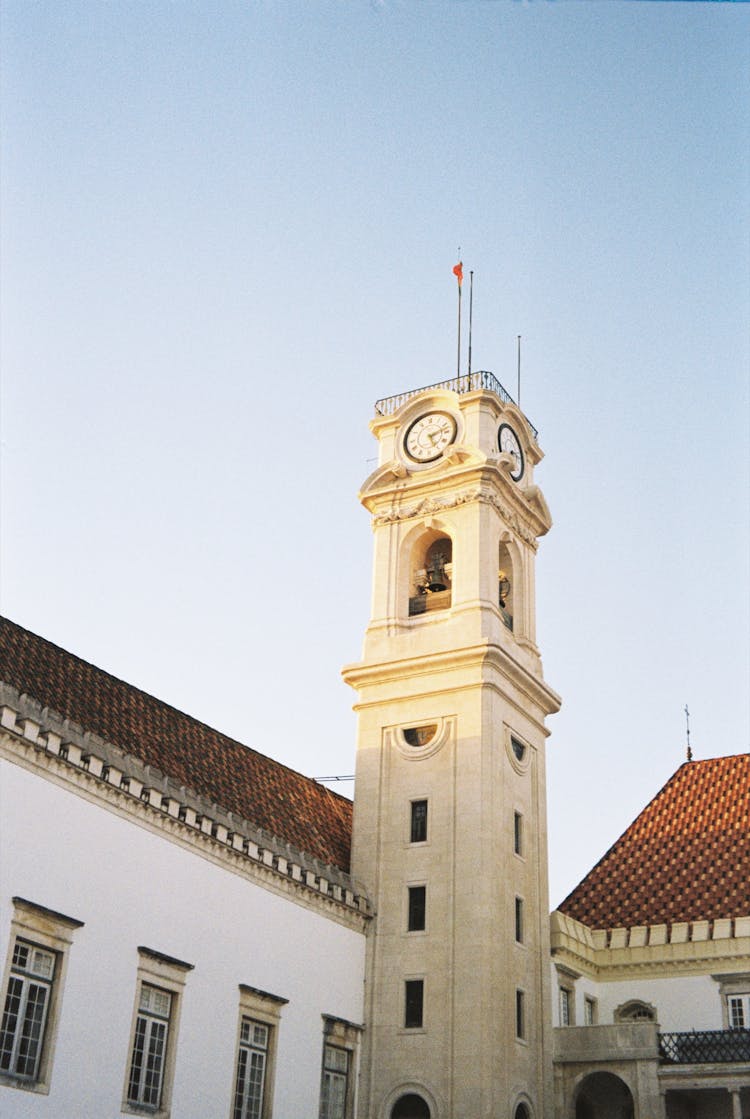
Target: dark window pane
414 1003
417 901
520 1015
519 920
418 821
518 833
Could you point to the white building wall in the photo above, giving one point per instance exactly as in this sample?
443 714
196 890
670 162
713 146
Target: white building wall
682 1002
132 887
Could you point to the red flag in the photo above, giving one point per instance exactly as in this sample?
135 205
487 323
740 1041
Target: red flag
458 272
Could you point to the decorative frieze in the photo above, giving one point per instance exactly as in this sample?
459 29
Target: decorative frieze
682 944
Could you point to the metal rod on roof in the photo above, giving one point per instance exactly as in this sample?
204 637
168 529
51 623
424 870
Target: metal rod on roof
518 401
687 722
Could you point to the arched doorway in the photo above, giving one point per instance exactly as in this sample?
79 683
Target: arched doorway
410 1106
602 1095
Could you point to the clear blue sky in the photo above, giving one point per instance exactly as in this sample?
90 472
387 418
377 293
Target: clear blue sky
228 228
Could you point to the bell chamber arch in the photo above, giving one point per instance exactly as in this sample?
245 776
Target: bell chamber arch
431 573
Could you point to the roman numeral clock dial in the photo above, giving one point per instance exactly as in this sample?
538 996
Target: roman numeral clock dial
507 441
429 435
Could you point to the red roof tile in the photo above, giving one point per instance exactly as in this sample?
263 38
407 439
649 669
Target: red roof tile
269 795
685 858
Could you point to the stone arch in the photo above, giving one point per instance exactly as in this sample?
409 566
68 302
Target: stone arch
429 559
410 1106
509 594
603 1095
523 1109
635 1010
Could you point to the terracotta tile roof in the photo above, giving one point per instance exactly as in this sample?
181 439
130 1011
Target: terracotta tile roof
267 794
685 858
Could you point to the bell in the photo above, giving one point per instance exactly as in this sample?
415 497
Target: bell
503 588
436 577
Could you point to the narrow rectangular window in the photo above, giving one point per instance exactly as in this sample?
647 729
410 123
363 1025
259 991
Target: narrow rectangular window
739 1011
520 1015
418 821
252 1058
564 1006
518 833
519 920
414 1004
335 1085
149 1047
589 1011
417 908
25 1011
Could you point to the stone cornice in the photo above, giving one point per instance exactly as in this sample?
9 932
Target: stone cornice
482 655
391 498
686 948
39 741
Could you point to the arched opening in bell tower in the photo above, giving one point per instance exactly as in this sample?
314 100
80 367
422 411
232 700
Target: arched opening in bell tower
410 1106
431 573
506 586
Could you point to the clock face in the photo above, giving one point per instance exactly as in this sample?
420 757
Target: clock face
507 441
428 436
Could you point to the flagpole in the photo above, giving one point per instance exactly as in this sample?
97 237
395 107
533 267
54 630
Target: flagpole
471 310
458 352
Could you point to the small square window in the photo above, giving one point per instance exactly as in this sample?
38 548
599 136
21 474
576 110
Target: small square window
417 908
418 821
414 1004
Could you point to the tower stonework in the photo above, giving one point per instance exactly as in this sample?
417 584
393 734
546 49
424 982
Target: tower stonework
449 835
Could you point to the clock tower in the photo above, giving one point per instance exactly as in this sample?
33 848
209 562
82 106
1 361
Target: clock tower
449 816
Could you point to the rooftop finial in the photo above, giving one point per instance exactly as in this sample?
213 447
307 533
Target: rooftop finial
687 725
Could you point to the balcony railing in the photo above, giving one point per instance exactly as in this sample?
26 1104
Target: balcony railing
704 1047
469 382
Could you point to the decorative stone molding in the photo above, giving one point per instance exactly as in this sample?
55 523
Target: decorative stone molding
41 740
643 949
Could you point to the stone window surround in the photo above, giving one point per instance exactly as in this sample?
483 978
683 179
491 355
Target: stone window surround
155 969
260 1006
344 1035
54 931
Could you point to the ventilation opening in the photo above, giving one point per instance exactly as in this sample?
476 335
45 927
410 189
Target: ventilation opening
420 736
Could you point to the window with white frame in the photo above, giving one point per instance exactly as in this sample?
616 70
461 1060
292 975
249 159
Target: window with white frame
39 942
149 1047
150 1068
335 1084
589 1011
260 1015
566 1006
340 1049
25 1010
252 1059
738 1011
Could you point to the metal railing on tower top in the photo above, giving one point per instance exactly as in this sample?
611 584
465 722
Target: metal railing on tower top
468 382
